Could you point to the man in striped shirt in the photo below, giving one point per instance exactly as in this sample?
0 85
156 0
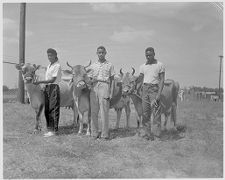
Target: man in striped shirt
102 72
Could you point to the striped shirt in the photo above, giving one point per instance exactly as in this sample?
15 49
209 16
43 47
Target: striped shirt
102 71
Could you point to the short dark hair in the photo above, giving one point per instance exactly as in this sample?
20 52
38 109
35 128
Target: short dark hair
53 51
150 49
101 47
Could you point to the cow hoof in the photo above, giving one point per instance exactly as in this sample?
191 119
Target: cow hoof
88 134
36 131
79 134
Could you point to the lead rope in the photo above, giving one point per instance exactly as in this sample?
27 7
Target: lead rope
156 110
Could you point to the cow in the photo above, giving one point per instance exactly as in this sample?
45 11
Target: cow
81 94
128 80
36 93
124 103
168 98
82 83
181 95
214 98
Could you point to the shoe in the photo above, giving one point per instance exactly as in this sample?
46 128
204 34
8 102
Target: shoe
48 134
105 138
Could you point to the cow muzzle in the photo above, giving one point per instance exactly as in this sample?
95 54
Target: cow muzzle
28 79
81 84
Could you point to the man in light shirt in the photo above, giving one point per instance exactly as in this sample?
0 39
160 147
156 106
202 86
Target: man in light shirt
102 73
152 74
52 93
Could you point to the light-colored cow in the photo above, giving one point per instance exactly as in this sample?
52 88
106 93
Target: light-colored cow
214 98
128 81
81 92
36 94
124 103
181 95
168 97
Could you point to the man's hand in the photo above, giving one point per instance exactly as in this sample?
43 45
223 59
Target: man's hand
110 96
36 82
134 91
155 102
157 98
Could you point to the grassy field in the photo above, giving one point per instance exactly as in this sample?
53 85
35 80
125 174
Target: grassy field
197 152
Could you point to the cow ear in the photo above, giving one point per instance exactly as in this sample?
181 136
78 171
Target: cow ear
36 66
67 71
88 70
18 67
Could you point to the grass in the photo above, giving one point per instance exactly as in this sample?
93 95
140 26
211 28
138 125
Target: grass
196 152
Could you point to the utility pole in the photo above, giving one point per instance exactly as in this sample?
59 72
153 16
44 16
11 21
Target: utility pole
221 58
20 95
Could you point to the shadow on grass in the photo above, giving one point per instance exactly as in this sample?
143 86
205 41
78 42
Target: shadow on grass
70 129
173 134
122 132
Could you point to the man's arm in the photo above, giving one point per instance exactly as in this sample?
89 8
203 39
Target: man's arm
52 80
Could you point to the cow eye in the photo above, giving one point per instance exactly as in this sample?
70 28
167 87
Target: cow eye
23 72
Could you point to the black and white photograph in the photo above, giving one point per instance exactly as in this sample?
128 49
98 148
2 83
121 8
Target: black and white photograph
112 89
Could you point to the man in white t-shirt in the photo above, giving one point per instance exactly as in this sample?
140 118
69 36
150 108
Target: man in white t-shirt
52 92
152 76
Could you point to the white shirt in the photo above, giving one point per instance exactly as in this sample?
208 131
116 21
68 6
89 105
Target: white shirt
54 70
151 72
102 71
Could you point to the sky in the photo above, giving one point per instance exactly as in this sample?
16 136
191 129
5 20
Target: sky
187 37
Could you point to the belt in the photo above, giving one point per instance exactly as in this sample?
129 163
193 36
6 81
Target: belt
102 81
150 84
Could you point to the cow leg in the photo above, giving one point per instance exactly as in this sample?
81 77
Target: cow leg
119 112
89 123
174 114
80 123
75 115
80 115
166 119
127 110
139 121
38 119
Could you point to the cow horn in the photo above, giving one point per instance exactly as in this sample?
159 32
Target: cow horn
18 66
133 71
121 71
87 65
69 65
